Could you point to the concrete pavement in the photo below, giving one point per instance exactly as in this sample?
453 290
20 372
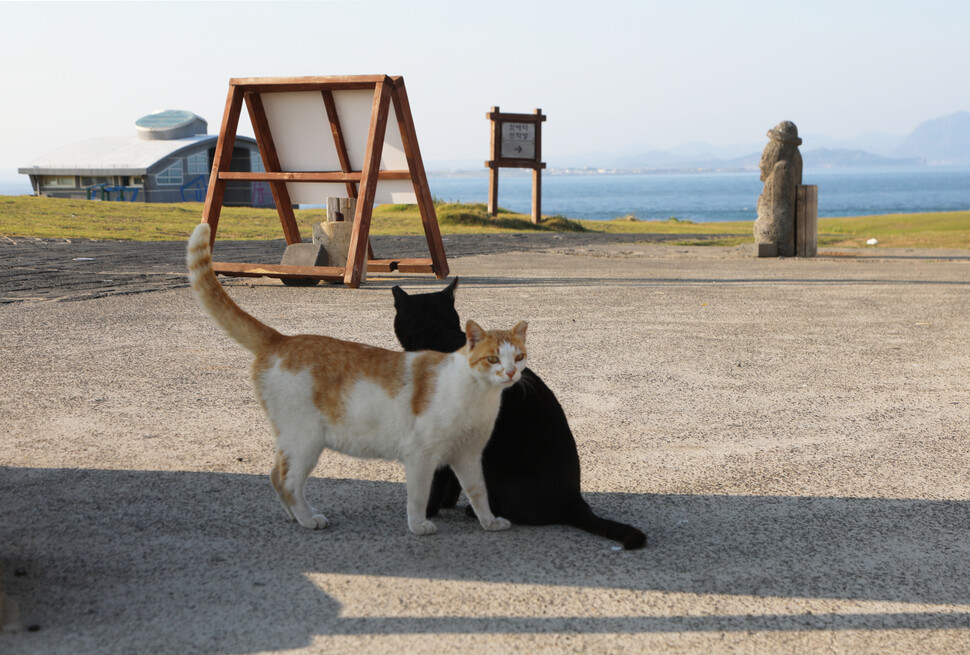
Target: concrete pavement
791 434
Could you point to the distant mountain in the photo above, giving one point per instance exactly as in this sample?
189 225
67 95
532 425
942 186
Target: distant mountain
650 159
878 143
456 165
657 160
939 141
705 157
943 140
700 151
841 158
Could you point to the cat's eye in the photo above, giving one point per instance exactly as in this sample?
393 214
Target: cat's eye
519 358
493 359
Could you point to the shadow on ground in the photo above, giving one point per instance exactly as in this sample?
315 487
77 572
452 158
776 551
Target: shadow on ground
192 553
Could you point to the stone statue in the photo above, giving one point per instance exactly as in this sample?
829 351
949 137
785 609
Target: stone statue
781 171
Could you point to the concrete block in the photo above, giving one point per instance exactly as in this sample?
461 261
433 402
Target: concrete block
765 250
305 254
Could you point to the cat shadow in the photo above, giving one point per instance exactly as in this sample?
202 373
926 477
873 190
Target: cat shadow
208 560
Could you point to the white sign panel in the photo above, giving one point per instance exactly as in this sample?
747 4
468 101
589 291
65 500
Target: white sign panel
304 142
518 141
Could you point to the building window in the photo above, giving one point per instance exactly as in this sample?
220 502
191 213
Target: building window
95 181
59 180
256 162
198 164
138 180
171 175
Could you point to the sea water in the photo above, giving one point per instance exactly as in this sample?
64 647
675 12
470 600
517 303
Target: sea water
701 197
707 197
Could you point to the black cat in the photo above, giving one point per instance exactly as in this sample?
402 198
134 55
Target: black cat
531 464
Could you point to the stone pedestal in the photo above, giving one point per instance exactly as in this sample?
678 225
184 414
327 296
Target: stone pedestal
335 239
765 250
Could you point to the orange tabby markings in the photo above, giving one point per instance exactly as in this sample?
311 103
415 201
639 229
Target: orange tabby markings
239 325
424 371
335 365
278 477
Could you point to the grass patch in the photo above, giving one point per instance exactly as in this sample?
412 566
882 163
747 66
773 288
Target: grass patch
475 218
716 241
29 216
933 230
85 219
631 224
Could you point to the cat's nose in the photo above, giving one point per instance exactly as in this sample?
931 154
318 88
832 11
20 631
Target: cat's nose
511 373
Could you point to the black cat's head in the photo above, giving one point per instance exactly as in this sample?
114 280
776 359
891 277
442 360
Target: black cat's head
428 321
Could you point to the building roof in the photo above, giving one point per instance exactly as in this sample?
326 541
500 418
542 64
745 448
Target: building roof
120 155
170 124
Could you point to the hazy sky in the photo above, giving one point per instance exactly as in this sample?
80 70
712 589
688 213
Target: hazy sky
608 74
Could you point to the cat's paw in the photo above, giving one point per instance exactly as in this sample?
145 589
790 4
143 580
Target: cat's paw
316 522
496 524
422 527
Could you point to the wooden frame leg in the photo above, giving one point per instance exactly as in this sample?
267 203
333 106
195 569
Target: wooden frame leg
359 238
493 191
419 179
536 195
221 161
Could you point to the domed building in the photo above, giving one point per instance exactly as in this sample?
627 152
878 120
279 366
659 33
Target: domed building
167 159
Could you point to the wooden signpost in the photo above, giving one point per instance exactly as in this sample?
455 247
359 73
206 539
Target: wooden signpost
321 137
516 143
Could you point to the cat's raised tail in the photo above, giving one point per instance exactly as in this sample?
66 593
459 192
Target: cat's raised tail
239 325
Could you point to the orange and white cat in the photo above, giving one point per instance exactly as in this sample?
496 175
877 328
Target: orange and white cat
425 409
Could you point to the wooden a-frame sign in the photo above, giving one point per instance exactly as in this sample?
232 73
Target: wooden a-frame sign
300 164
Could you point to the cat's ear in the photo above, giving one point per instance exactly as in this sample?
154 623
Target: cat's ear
450 289
519 330
473 333
399 294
